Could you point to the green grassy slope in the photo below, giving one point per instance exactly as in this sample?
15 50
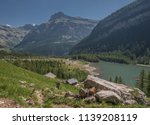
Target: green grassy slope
18 84
21 85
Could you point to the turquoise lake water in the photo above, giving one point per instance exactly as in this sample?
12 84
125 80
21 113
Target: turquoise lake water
129 73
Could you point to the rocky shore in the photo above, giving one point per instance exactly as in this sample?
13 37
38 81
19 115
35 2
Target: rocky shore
112 92
99 90
91 70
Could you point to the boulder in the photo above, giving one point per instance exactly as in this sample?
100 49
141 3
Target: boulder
118 91
90 99
108 97
139 96
84 93
92 91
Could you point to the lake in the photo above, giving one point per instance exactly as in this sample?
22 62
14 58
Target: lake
129 73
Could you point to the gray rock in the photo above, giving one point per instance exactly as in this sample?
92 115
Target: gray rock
118 90
90 99
108 97
130 102
139 96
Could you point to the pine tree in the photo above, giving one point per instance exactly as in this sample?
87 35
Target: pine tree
141 80
110 79
120 80
148 84
116 79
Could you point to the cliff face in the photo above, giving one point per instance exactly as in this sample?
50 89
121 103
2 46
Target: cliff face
126 30
10 37
57 36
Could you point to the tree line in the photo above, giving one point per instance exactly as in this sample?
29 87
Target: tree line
117 56
117 79
59 68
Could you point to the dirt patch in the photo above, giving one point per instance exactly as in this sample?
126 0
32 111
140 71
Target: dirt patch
40 97
8 103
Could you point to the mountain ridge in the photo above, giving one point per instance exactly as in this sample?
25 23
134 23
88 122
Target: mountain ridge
11 36
126 30
57 36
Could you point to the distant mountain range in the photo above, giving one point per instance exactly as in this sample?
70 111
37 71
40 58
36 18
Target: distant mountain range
126 30
10 37
57 36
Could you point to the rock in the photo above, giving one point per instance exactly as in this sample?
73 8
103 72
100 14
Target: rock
31 84
69 94
108 96
147 102
30 102
139 96
78 85
92 91
84 93
90 99
22 82
121 90
130 102
77 96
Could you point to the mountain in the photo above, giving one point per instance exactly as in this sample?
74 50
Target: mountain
28 27
57 36
10 37
126 30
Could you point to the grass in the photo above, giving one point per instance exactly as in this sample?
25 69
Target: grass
17 83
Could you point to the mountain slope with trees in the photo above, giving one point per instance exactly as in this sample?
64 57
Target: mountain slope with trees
126 30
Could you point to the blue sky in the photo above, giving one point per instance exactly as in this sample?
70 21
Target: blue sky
20 12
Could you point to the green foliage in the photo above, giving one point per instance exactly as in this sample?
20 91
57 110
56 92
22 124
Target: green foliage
118 79
59 68
144 59
110 79
143 83
86 57
148 84
117 57
141 80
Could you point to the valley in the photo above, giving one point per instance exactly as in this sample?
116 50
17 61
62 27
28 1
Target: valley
23 84
75 62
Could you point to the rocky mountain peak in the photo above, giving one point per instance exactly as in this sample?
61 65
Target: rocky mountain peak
58 15
57 36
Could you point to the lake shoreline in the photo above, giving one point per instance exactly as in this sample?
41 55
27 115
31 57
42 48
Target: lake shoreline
142 65
91 70
129 73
